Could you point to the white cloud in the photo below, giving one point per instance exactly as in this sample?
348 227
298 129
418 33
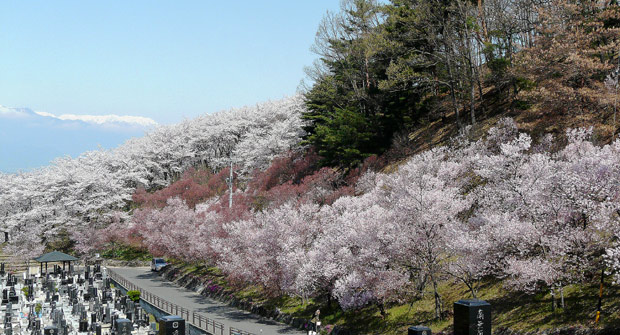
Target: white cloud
112 119
13 112
104 119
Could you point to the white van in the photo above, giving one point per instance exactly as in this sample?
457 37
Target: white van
158 264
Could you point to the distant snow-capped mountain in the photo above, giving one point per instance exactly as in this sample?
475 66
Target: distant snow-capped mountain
103 119
29 139
141 121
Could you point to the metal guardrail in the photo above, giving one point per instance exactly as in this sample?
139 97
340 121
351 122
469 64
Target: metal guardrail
206 324
197 320
235 331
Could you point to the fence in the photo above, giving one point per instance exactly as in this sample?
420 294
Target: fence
197 320
235 331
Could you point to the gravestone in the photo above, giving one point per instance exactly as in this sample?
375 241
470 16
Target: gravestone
50 330
83 326
64 328
107 317
92 290
5 296
472 317
123 327
171 325
14 298
419 330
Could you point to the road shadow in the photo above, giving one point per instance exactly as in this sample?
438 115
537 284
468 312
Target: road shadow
210 308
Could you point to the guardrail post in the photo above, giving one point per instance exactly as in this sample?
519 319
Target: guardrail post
169 307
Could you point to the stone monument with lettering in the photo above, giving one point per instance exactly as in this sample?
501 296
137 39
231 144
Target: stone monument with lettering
472 317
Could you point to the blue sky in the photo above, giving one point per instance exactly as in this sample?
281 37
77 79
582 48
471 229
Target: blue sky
166 60
163 60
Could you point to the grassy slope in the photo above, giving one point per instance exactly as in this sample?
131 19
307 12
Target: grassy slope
533 120
517 311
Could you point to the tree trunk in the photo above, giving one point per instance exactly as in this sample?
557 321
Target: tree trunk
472 99
382 310
473 291
561 296
471 288
438 308
453 96
472 75
483 20
482 110
553 303
456 107
613 135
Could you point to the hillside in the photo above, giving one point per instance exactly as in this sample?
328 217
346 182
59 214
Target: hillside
520 313
502 218
432 132
45 206
444 150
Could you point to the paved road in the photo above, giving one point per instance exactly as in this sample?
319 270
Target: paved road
213 309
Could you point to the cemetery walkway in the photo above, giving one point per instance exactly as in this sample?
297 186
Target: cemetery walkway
230 317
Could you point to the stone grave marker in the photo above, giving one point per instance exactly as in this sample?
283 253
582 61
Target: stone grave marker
171 325
419 330
472 317
123 327
50 330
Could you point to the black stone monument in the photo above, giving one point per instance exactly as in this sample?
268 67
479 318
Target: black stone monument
123 327
50 330
171 325
419 330
472 317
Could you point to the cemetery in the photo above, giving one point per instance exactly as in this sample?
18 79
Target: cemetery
63 301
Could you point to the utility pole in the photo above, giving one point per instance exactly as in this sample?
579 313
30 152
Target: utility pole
229 181
616 94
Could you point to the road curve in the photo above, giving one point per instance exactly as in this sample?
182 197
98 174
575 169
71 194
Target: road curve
213 309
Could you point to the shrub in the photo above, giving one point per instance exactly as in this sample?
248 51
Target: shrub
134 295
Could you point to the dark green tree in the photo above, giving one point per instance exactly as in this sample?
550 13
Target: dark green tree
345 137
353 60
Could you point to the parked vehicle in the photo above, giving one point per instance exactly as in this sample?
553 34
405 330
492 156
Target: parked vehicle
158 264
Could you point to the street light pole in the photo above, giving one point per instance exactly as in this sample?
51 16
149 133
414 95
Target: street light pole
229 181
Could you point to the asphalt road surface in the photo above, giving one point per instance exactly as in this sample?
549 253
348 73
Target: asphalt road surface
213 309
